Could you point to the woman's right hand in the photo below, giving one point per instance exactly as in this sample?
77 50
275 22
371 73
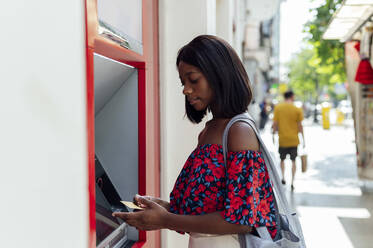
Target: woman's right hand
157 200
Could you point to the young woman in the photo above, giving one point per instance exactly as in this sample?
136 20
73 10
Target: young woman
213 201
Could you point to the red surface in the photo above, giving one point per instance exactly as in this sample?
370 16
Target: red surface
138 244
91 22
90 137
150 42
364 73
116 52
148 96
142 138
91 149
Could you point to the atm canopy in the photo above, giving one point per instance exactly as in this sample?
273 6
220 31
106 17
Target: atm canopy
348 19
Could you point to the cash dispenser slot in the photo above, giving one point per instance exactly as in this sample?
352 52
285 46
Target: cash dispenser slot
116 148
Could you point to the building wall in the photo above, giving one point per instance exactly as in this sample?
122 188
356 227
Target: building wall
275 43
179 23
224 19
261 49
362 114
150 39
43 129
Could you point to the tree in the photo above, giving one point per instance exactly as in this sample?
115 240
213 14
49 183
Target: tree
302 75
330 52
308 77
321 64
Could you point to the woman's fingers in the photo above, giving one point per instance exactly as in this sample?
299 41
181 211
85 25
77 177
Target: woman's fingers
137 197
123 215
146 202
135 220
151 218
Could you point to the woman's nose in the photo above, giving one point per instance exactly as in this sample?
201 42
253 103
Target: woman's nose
187 90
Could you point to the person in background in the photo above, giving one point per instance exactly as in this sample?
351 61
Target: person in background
263 115
287 121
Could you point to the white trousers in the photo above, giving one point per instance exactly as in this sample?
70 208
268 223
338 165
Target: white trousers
198 240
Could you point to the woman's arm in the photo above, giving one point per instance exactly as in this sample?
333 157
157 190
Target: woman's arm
212 223
155 217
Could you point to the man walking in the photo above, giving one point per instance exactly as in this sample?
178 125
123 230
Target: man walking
287 121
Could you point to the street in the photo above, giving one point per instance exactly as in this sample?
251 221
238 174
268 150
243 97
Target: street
335 208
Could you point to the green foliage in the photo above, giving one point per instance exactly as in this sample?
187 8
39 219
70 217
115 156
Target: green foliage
302 74
320 65
329 51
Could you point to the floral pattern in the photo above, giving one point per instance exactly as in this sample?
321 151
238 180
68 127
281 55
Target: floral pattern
241 192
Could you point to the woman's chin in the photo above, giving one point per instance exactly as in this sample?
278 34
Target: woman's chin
198 107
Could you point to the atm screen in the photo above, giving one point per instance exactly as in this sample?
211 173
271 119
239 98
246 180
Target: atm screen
107 201
105 223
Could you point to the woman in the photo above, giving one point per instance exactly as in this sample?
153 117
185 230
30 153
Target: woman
211 201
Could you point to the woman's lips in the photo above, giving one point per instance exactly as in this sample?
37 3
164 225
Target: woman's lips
193 101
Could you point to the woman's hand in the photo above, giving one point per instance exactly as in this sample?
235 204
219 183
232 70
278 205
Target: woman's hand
153 217
159 201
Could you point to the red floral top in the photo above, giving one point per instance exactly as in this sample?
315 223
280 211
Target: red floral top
242 192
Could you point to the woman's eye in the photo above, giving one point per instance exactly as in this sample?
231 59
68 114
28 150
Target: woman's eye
194 81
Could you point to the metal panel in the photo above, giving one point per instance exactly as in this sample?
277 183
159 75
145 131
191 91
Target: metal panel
116 126
116 138
122 18
109 77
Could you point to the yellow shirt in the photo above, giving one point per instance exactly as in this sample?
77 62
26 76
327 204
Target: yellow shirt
287 117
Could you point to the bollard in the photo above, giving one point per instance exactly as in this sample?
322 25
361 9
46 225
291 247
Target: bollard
325 110
340 117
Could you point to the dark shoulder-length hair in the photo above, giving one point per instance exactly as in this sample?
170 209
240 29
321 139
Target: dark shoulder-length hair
224 72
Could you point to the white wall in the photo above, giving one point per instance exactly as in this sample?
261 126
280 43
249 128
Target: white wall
224 19
179 23
231 22
240 20
43 186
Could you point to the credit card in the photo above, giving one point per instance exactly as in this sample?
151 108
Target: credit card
131 205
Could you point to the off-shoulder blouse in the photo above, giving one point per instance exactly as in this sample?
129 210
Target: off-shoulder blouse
241 190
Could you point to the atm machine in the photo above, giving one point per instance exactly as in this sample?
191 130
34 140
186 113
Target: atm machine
119 122
116 148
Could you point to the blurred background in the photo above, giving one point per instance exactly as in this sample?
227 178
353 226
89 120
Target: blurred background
91 97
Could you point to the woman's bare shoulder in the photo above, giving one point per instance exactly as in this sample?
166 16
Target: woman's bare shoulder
242 137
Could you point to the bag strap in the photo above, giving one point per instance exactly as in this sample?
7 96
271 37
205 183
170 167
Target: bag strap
280 197
245 117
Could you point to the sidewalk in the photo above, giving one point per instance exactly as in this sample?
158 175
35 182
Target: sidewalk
333 210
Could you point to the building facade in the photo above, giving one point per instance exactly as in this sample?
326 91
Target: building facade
352 25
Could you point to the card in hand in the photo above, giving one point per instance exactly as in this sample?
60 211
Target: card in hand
131 205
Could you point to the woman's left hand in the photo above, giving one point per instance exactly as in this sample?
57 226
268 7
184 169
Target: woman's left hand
153 217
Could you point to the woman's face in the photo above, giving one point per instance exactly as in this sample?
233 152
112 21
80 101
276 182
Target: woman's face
195 86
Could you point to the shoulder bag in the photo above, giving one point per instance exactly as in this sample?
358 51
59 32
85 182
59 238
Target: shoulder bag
289 232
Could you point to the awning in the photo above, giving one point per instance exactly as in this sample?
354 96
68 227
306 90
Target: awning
348 19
